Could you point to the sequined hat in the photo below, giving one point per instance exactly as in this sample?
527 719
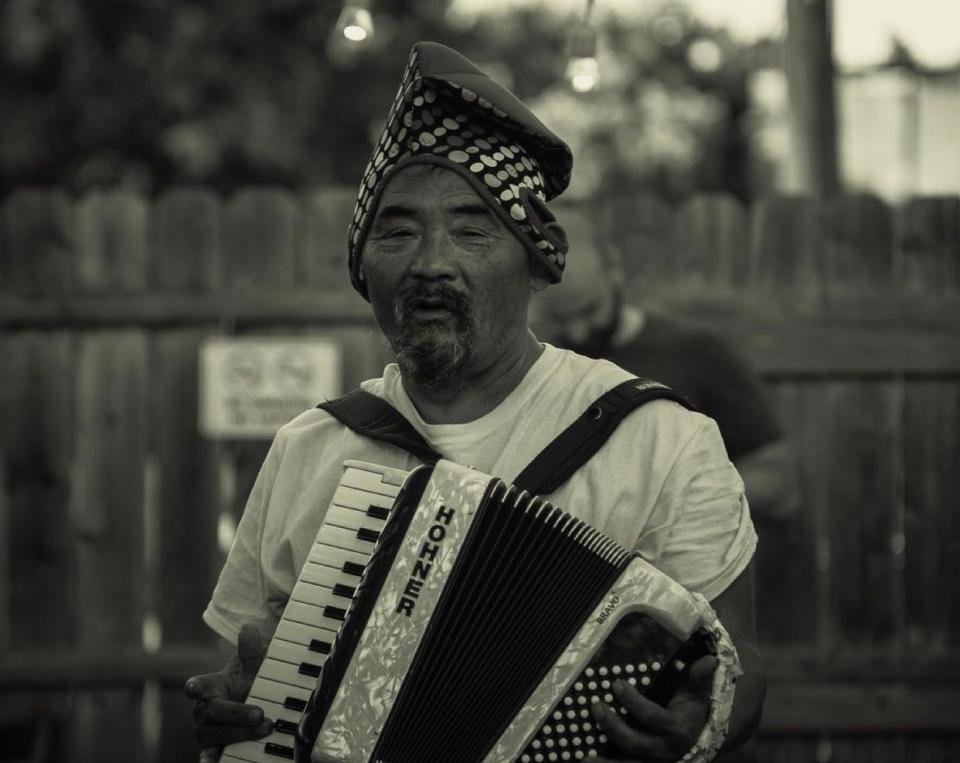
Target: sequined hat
450 113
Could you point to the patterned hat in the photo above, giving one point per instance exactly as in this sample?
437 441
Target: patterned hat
449 113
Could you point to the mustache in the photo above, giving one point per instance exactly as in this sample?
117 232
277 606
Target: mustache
414 295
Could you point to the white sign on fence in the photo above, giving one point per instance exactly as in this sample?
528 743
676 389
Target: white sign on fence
250 386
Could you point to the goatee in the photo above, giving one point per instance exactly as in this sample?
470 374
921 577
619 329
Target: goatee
432 350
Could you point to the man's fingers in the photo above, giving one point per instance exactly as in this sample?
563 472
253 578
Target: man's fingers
220 736
250 649
223 712
624 737
644 712
204 686
700 676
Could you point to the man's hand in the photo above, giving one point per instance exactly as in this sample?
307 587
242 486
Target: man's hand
220 716
658 733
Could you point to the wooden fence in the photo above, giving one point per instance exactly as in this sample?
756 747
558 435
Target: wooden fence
112 504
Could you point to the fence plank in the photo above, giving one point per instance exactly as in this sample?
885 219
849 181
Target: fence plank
111 441
36 437
789 602
864 506
187 255
932 532
186 241
711 248
322 254
260 239
930 246
111 231
786 249
37 243
641 230
858 247
111 455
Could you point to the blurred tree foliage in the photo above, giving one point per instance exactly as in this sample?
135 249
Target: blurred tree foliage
147 93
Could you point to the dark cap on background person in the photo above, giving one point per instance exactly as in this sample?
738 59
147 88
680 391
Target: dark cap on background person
448 112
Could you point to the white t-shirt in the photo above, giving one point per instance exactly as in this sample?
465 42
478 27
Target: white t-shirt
662 483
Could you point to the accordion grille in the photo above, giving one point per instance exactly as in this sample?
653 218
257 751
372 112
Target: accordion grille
526 578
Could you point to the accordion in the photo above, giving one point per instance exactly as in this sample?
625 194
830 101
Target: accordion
486 622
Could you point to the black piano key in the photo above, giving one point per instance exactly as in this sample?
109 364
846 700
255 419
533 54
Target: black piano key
365 533
292 703
278 750
321 647
334 613
339 589
378 512
284 727
352 568
309 669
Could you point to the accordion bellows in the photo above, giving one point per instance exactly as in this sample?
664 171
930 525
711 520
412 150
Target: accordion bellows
482 615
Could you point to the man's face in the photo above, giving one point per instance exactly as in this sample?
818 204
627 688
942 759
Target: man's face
587 321
448 282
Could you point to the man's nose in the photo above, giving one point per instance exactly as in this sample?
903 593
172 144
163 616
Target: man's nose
434 257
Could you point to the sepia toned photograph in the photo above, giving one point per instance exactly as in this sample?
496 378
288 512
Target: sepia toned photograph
479 381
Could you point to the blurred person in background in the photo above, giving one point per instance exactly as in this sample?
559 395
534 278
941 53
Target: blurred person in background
450 236
587 313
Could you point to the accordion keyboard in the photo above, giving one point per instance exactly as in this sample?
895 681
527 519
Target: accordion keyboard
317 606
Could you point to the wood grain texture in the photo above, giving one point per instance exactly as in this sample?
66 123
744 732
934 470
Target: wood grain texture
261 228
929 251
186 241
38 243
789 600
108 518
36 442
786 250
712 246
641 231
111 236
864 503
322 250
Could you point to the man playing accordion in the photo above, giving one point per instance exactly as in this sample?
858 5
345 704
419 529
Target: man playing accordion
450 237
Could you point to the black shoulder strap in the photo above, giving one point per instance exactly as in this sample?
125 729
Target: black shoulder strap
575 445
376 418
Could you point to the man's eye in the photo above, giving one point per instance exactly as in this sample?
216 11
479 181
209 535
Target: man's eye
474 234
397 234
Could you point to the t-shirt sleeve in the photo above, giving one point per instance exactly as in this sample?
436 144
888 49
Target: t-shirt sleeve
240 595
703 536
733 395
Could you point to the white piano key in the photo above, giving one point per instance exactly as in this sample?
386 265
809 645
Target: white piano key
360 500
308 614
325 575
273 711
276 693
286 673
332 556
321 596
277 737
386 481
253 752
298 633
339 515
243 752
294 653
337 537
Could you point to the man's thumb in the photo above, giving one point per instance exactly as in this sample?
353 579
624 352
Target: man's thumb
250 649
700 678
